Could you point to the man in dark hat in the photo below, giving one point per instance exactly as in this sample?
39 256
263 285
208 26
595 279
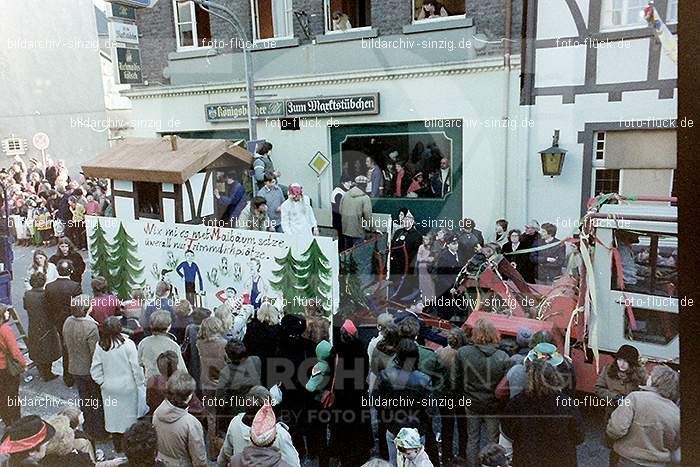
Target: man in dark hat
449 264
404 248
346 183
24 443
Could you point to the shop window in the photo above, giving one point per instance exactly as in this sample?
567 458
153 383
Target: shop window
429 10
649 263
345 15
407 165
272 19
672 11
652 326
622 14
606 181
192 26
148 199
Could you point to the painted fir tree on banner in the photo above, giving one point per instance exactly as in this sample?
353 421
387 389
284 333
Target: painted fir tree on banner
287 281
317 275
99 250
124 264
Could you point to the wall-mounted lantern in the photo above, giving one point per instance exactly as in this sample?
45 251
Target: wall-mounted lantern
553 157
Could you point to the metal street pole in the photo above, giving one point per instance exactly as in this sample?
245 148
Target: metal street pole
231 18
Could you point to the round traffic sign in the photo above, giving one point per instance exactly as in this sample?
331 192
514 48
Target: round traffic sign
41 141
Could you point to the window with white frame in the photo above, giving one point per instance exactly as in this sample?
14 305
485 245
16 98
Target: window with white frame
344 15
672 11
604 180
192 25
622 14
272 19
429 10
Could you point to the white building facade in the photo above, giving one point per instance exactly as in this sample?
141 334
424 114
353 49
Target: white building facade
50 79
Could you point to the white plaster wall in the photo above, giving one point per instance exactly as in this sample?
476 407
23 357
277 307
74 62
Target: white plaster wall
408 99
554 20
560 66
558 199
625 61
124 185
169 210
124 207
667 68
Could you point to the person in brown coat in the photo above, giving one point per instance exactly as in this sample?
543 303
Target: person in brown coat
180 434
356 214
80 336
42 340
646 428
620 377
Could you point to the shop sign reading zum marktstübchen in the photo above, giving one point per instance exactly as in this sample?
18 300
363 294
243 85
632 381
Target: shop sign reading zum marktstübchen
361 104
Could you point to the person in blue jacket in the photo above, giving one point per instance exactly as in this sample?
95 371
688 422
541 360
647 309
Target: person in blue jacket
189 271
235 199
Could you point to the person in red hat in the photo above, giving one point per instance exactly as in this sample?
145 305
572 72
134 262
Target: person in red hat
263 433
349 418
24 443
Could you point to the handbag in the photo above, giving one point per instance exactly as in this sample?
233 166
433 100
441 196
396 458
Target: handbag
328 397
13 366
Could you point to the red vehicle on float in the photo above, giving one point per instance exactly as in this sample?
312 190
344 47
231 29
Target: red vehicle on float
620 288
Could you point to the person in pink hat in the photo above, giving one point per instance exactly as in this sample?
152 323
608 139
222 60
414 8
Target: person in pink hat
297 215
263 433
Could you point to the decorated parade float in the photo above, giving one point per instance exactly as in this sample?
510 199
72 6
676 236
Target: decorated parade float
620 287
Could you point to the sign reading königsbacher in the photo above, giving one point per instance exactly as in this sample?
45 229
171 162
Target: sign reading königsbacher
362 104
129 66
236 112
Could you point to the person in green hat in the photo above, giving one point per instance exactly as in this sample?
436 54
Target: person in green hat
318 383
543 416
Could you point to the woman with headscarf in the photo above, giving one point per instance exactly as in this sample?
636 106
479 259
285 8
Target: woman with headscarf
410 450
297 215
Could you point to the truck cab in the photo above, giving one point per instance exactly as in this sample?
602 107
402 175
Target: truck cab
637 300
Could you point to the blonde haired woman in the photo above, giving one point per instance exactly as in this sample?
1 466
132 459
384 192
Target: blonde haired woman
263 334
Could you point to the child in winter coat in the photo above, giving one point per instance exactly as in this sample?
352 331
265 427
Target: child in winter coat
410 451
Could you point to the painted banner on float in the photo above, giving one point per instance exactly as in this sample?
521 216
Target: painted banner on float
214 265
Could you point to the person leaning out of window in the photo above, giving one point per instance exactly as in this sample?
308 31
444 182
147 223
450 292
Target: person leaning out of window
432 9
